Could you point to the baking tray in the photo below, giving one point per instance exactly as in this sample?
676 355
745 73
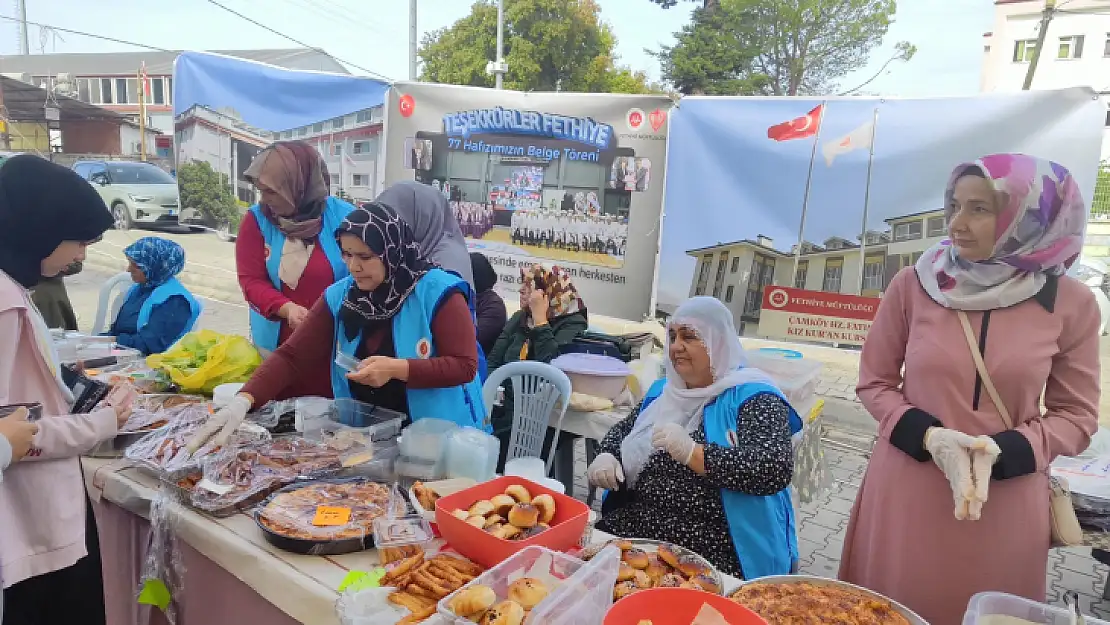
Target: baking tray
652 546
907 613
313 547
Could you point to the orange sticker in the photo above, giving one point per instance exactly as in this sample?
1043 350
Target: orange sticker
331 515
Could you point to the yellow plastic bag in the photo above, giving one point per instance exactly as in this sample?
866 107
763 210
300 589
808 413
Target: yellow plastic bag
203 360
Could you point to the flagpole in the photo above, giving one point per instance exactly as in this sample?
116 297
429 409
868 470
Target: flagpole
805 197
142 113
867 199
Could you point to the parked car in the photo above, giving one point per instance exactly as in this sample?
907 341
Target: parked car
1096 276
136 193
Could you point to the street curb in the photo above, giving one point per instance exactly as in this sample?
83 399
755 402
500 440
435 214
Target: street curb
199 284
848 415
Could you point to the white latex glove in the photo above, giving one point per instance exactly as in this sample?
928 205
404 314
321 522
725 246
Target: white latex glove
951 452
983 456
225 422
606 472
675 440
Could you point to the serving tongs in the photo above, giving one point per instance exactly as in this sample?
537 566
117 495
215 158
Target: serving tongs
1071 600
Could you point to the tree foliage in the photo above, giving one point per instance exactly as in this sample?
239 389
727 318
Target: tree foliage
776 47
208 191
1100 204
549 45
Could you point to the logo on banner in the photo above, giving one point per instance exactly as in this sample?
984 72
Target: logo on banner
658 118
407 105
778 298
503 121
634 119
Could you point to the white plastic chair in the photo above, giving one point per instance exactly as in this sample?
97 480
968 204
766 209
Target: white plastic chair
537 387
108 306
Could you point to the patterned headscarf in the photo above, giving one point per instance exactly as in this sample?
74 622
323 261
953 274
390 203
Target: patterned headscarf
562 297
390 238
159 259
295 171
1039 233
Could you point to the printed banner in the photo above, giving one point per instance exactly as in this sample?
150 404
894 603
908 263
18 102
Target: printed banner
741 170
567 179
798 314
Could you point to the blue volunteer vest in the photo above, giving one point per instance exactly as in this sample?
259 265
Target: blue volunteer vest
412 338
160 295
265 332
762 527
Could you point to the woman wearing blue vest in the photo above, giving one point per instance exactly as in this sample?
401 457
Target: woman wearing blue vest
705 461
158 310
405 320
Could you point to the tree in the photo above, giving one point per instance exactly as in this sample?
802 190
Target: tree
550 45
776 47
1100 204
208 191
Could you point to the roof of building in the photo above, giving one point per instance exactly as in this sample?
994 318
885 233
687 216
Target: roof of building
25 103
755 244
919 214
159 63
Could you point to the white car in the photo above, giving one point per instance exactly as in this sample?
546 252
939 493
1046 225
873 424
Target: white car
136 193
1095 274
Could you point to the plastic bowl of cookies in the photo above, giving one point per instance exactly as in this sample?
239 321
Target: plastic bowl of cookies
491 521
676 606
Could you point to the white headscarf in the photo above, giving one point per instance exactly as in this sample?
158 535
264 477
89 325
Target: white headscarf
713 323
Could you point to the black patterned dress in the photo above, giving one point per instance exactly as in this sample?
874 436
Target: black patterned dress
671 503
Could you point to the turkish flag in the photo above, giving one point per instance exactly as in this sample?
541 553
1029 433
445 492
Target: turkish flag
799 127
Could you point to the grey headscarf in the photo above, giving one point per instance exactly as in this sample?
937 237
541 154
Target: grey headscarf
433 224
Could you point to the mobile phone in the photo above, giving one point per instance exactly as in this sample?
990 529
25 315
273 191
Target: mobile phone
34 410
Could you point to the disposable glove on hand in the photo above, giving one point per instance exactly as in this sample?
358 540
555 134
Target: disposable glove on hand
225 422
984 454
951 452
605 472
675 440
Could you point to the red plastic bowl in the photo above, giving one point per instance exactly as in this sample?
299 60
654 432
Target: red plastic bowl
676 606
566 530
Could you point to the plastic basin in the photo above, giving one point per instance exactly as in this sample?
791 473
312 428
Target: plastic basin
676 606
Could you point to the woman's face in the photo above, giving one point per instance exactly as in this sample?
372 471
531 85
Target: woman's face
974 218
137 275
276 202
689 357
365 266
67 253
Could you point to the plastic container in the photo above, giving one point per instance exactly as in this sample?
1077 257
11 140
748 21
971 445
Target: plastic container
381 423
593 374
380 468
1002 604
424 449
223 394
529 468
402 532
676 606
579 592
441 488
795 375
472 453
566 529
347 362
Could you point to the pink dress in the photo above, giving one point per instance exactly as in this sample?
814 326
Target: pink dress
903 540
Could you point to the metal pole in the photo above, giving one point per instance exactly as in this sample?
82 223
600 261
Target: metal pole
1046 18
413 34
500 41
805 197
24 39
867 200
142 114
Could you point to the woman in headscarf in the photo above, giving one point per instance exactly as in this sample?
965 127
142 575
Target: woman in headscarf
48 217
52 299
433 225
406 321
705 460
922 531
158 310
488 305
286 254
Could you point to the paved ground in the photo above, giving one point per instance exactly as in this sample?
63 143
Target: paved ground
821 524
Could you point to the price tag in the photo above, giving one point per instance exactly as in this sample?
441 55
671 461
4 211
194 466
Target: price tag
331 515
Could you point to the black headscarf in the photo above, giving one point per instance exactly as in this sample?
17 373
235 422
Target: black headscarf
41 205
389 237
484 275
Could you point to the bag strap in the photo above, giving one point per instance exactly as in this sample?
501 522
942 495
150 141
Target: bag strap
977 356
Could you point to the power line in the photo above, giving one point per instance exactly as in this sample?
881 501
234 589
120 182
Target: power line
84 34
296 41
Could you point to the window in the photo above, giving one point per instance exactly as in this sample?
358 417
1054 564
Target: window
83 93
288 134
763 273
735 264
801 274
1070 47
363 116
908 231
336 149
106 90
872 275
361 147
908 260
337 123
318 127
703 275
719 282
834 269
728 292
335 180
121 91
1023 50
302 131
360 180
935 227
157 93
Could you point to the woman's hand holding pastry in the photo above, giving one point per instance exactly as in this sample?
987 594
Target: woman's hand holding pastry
675 440
606 472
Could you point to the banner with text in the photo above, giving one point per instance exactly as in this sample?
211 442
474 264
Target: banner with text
798 314
567 179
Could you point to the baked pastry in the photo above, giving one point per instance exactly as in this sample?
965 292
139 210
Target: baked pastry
461 514
623 589
519 493
507 532
494 519
528 592
623 545
806 603
473 600
524 515
691 567
493 528
671 580
502 504
546 505
530 532
477 521
668 554
656 569
625 572
636 558
707 583
481 508
642 580
645 622
504 613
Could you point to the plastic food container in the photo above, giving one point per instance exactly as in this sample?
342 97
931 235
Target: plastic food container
676 606
381 423
529 468
442 488
566 529
325 517
579 592
593 374
472 453
795 375
402 531
1001 604
424 449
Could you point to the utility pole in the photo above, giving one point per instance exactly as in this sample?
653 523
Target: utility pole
412 40
1046 18
499 64
24 39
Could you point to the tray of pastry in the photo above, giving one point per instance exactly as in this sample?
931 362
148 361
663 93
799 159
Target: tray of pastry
164 452
326 517
812 600
656 564
147 416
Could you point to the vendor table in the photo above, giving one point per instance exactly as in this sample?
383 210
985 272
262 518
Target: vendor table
232 575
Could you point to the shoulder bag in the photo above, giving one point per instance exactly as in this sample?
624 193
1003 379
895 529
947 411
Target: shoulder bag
1066 531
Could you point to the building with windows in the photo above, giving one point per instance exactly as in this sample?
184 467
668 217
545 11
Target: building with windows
1077 49
737 272
349 145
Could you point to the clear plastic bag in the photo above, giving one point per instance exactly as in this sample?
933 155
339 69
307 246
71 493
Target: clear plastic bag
164 450
326 511
162 579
